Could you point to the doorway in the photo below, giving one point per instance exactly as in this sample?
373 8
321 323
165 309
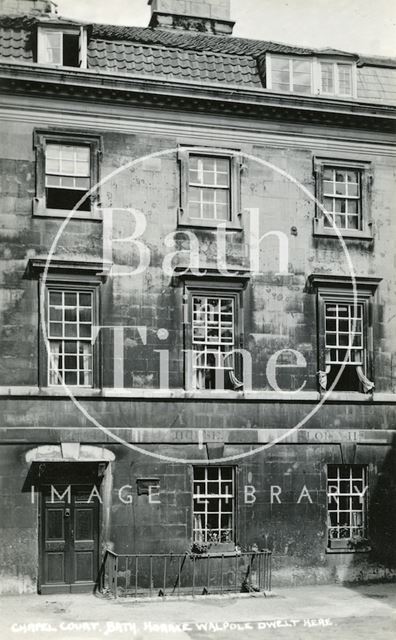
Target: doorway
69 527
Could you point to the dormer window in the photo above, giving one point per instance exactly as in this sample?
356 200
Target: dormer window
314 75
66 47
290 74
336 79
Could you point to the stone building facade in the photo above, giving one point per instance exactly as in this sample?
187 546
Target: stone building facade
198 307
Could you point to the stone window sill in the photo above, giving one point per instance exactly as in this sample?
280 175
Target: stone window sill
346 550
63 213
207 225
347 396
320 231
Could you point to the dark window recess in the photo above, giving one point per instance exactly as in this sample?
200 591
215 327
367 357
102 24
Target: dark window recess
215 379
71 53
348 381
66 199
146 486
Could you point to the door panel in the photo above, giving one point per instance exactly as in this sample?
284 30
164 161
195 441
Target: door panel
69 540
55 567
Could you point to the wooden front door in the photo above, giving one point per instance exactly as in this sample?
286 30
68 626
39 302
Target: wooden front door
69 532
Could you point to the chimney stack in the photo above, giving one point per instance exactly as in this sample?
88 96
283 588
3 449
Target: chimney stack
204 16
26 7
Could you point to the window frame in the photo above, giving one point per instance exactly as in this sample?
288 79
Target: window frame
366 179
345 544
291 58
216 290
327 292
184 157
316 75
345 299
336 79
234 499
94 143
62 29
69 283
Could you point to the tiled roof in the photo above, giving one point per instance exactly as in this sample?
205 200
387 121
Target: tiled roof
198 66
193 41
242 54
15 45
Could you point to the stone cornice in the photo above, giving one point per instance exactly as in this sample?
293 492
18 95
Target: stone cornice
317 280
36 266
146 92
127 395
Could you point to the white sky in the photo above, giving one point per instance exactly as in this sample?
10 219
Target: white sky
365 26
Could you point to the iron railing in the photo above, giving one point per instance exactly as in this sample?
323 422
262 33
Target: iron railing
172 574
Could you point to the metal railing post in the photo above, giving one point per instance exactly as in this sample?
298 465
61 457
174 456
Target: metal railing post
151 576
116 578
193 578
136 574
165 567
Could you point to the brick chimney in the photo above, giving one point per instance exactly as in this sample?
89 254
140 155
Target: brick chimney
205 16
26 7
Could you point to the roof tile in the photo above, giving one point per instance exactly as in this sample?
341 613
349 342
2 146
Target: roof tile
131 58
15 45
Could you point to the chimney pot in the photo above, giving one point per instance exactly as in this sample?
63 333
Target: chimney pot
26 7
213 16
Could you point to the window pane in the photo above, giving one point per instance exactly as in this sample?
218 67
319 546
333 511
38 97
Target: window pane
280 63
52 47
353 206
70 315
327 77
353 176
70 299
85 300
345 79
347 513
74 312
67 176
353 222
213 340
212 201
213 515
71 330
353 190
85 331
280 72
344 186
343 331
281 80
55 314
302 76
55 329
328 187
